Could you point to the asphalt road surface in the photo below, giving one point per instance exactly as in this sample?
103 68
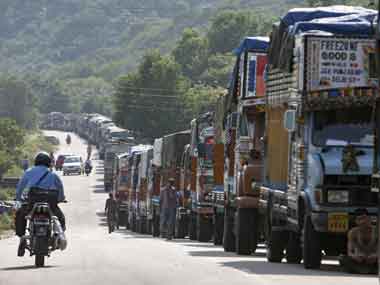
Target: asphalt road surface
95 257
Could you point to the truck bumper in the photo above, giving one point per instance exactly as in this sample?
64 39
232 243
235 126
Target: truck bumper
322 222
247 202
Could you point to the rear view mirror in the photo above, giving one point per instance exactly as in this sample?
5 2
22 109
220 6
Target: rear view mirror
290 120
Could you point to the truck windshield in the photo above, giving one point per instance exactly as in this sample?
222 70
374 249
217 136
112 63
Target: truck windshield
342 127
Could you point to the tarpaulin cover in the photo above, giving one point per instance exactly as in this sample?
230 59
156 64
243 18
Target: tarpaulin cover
335 20
172 148
252 44
157 152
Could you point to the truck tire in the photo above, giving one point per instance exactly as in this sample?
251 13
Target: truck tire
246 231
193 226
143 225
204 228
155 224
312 252
228 233
294 249
180 227
276 245
218 228
39 260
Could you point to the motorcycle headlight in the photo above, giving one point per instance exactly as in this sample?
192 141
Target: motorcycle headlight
341 197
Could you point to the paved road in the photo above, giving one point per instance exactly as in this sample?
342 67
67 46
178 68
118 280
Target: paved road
94 257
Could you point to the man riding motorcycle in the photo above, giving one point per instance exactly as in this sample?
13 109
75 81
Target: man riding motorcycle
38 177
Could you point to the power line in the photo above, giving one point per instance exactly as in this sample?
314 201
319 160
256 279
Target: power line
153 108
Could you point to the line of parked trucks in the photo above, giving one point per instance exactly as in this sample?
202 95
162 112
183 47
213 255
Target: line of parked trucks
287 155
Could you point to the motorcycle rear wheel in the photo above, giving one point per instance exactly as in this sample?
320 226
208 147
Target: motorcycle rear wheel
39 260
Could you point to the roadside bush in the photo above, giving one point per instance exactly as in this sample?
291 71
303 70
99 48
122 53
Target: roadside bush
6 222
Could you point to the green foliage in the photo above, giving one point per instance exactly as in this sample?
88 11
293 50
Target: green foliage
200 99
229 27
6 223
11 138
150 100
7 194
17 102
191 53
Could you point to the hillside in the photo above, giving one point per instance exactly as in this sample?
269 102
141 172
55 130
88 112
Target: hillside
78 38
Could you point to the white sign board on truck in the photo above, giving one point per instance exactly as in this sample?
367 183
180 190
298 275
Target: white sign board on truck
336 63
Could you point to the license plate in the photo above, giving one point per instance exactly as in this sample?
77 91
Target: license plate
338 222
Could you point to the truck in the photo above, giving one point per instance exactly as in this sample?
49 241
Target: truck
202 178
244 148
154 182
218 197
121 190
141 209
167 160
318 146
112 149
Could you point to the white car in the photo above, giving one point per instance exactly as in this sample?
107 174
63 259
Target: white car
72 164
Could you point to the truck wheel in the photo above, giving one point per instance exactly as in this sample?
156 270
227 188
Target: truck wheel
246 231
218 228
294 249
156 225
275 245
39 260
193 226
228 234
180 227
143 226
312 252
204 228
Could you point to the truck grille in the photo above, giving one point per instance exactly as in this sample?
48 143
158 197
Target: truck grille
358 187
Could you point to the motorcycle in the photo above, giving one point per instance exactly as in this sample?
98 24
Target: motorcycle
44 231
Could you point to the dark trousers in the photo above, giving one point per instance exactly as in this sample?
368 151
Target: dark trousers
352 266
20 221
167 220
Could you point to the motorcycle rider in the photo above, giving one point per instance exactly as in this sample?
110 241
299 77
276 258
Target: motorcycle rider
88 165
39 177
68 139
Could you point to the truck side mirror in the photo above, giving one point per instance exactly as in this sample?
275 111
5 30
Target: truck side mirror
290 120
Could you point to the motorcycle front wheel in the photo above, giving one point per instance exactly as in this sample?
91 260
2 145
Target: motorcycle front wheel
39 260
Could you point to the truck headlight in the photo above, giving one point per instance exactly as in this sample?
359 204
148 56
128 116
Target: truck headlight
338 197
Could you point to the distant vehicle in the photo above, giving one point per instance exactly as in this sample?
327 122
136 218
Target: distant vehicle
52 139
72 164
60 160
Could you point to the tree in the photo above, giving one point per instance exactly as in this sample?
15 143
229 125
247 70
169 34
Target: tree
228 28
150 101
17 102
191 53
55 99
11 137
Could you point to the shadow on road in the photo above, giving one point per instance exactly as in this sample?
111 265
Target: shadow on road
98 189
27 267
262 268
211 253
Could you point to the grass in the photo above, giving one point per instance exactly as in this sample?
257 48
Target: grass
6 223
6 220
34 143
7 194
